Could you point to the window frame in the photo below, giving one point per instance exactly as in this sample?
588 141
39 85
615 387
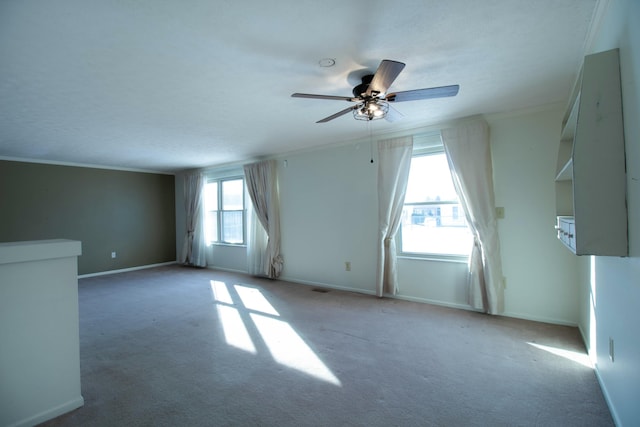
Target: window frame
220 212
429 145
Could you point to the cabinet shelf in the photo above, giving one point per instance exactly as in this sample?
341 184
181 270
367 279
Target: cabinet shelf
571 121
566 172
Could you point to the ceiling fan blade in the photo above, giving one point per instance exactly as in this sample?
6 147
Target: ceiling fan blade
393 115
417 94
386 73
309 95
338 114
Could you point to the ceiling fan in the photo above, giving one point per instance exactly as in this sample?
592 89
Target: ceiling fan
371 97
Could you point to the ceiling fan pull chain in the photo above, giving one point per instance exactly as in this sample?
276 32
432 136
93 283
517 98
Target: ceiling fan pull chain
370 140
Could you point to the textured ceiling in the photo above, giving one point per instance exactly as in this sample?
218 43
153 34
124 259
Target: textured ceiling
171 85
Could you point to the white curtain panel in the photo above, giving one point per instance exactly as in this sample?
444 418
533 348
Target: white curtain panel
193 250
262 187
257 240
469 155
394 160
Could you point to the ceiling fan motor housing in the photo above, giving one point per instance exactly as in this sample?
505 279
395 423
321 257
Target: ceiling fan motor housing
361 89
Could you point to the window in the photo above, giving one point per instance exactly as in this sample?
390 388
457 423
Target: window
433 222
224 210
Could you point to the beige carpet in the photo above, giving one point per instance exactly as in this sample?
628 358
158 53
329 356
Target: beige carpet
175 346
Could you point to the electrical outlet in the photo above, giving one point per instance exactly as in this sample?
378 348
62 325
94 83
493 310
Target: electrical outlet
347 266
500 212
113 254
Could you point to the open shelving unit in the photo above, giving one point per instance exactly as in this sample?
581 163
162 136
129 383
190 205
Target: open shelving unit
590 180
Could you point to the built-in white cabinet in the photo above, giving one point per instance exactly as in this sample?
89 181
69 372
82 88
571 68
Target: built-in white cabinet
590 183
39 331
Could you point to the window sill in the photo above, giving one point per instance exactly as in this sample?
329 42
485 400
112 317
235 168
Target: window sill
457 259
232 245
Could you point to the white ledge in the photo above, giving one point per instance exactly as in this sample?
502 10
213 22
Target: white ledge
35 250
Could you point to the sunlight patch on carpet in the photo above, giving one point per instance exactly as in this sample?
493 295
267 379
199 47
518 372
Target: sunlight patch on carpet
289 349
220 292
253 299
242 309
574 356
235 331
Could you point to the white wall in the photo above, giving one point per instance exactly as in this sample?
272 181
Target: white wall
227 257
329 208
616 281
329 216
437 282
541 274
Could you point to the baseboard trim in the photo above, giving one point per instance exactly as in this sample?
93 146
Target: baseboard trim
603 388
585 341
51 413
433 302
230 270
541 319
124 270
428 301
607 398
326 285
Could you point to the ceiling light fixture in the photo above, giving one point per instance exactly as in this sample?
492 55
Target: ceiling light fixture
371 109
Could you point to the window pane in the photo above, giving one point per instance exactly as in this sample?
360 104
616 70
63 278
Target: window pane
211 196
430 180
232 195
435 229
211 214
232 223
211 226
429 227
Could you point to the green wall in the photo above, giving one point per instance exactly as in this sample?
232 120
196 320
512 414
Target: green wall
130 213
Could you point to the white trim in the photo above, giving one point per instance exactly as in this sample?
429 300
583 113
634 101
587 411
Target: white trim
372 293
542 319
602 6
223 167
232 245
385 134
456 259
607 397
50 413
326 285
501 115
426 301
355 290
603 388
585 341
433 302
230 270
82 165
124 270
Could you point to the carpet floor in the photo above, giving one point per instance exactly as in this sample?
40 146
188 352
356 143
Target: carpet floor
174 346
